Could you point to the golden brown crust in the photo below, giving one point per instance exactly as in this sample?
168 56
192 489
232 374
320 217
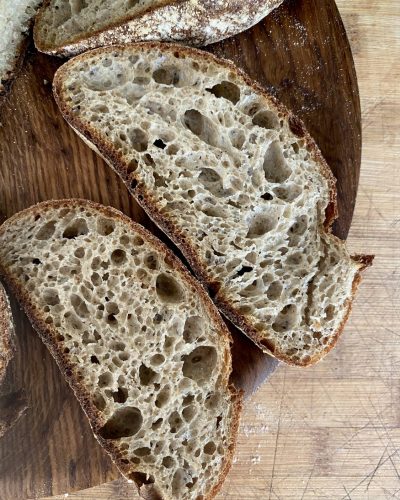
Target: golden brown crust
149 204
192 22
7 346
48 333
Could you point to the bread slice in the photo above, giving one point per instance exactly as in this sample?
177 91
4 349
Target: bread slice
66 27
232 177
137 338
7 346
15 21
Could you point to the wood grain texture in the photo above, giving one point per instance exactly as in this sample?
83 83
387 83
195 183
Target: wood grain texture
333 431
41 158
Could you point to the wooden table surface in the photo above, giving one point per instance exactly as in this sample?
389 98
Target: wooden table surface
333 431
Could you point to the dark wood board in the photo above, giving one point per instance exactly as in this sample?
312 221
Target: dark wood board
300 53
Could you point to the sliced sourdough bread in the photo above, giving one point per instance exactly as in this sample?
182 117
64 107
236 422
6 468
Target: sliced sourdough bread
232 177
65 28
7 346
15 20
137 338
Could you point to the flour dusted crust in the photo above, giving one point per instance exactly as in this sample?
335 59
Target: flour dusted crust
191 22
232 177
7 347
137 338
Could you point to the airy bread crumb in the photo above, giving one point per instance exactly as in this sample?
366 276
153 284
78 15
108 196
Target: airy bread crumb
231 176
138 339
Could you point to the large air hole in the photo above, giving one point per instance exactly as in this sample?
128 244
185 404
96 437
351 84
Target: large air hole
157 360
210 448
266 119
175 422
151 261
237 137
118 256
168 462
226 90
255 288
46 231
139 139
121 395
146 375
212 181
168 75
193 329
105 380
105 226
200 363
189 412
201 126
212 211
77 228
286 319
99 401
275 167
79 306
50 297
242 271
125 422
168 289
288 192
209 176
157 424
142 452
274 290
300 225
262 223
213 401
330 312
163 397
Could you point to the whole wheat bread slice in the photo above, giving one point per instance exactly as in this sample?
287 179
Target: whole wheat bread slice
232 177
66 27
7 346
15 21
137 338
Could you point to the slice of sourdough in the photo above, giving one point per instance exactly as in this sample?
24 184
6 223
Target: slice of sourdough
7 347
232 177
66 27
137 338
15 20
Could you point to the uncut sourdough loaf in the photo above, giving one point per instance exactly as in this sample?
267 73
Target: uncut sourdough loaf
7 347
137 338
232 177
66 27
15 20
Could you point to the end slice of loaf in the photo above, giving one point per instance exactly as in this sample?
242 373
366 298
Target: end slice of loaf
137 338
232 177
65 28
15 20
7 347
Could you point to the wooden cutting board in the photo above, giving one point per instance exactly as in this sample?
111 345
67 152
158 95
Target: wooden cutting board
300 53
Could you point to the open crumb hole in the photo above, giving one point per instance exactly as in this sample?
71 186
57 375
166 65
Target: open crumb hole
200 363
168 289
125 422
